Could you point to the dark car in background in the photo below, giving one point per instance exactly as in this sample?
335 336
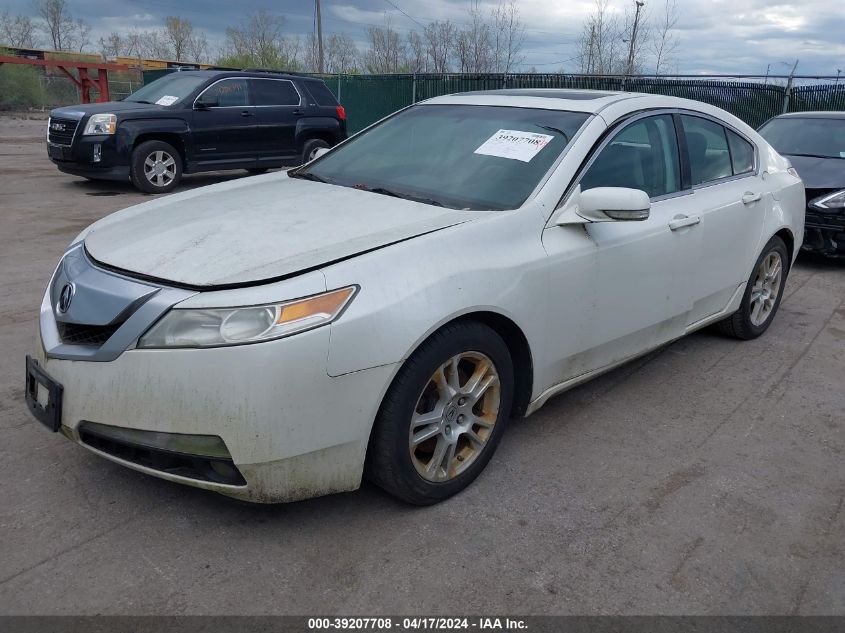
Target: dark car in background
815 144
193 121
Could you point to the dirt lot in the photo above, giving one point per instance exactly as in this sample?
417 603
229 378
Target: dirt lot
705 478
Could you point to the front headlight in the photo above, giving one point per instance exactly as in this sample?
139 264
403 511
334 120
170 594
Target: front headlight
830 201
101 124
216 327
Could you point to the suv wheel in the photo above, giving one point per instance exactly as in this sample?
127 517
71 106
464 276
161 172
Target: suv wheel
156 167
310 149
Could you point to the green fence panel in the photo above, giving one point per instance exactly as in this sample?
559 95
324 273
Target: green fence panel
825 97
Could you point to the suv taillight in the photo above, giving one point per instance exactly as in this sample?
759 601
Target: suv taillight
341 113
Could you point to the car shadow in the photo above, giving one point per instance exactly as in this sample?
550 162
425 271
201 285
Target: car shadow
819 262
105 188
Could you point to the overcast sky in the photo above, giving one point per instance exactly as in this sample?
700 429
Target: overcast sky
716 36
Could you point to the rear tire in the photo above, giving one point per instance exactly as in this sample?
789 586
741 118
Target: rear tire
310 147
762 296
156 167
443 416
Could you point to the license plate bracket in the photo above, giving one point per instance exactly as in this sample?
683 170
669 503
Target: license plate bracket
50 413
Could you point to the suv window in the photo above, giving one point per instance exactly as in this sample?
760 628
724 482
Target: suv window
644 155
707 144
226 93
274 92
322 95
742 153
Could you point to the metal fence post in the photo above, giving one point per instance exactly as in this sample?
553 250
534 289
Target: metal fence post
338 88
788 92
414 89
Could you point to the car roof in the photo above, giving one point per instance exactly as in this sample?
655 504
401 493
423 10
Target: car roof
260 74
819 114
588 101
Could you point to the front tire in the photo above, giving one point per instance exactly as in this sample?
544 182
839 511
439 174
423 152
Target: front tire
443 415
763 294
156 167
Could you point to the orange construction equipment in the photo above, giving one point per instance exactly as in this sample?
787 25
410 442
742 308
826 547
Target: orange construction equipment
85 82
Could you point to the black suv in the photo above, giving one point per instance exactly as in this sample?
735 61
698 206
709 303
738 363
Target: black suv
193 121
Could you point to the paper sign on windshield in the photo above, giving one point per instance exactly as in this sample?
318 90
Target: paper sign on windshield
167 100
514 144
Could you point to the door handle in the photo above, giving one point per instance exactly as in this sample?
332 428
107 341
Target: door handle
684 220
247 113
298 112
749 197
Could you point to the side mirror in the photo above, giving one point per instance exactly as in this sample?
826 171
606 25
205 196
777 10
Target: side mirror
605 204
319 152
204 105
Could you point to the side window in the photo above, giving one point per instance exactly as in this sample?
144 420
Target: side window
226 93
708 149
643 155
742 153
274 92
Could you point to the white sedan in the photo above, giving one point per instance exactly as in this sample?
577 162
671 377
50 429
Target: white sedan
386 309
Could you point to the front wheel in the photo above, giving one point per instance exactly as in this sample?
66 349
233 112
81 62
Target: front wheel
763 294
156 167
443 416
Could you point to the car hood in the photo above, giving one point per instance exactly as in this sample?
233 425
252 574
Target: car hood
257 229
114 107
819 173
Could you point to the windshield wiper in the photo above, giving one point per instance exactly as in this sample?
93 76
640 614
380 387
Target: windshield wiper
140 101
554 129
307 175
405 196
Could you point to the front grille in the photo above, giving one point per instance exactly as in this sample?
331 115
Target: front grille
92 335
212 469
61 131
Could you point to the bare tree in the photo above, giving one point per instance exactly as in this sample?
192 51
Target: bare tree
440 43
415 53
179 32
664 42
197 48
258 41
473 44
508 37
112 45
385 50
65 33
600 49
17 31
340 54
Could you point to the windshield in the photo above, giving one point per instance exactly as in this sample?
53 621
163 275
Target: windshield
167 90
457 156
809 137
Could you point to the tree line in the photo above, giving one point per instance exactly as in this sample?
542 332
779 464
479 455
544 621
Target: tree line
489 39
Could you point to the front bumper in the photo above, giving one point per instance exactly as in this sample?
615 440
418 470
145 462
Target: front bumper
77 159
824 233
292 430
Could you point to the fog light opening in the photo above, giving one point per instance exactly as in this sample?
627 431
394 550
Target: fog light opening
98 152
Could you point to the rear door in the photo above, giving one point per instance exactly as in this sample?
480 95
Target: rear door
225 127
279 106
731 198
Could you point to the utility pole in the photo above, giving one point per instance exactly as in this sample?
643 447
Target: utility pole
319 40
590 49
768 68
632 48
838 72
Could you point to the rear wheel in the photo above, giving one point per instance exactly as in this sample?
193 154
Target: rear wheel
443 416
309 150
763 294
156 167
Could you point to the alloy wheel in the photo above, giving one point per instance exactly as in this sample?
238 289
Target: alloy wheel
766 288
454 416
160 168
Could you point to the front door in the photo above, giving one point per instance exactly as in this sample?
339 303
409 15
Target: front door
640 271
225 126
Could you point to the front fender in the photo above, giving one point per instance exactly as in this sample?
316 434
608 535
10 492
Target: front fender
129 131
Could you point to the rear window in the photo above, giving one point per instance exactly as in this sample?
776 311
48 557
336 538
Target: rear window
707 144
742 153
322 95
274 92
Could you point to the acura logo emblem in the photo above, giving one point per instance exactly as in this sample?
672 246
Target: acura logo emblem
65 298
